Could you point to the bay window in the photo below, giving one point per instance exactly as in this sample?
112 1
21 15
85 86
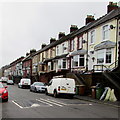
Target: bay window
78 61
104 56
62 64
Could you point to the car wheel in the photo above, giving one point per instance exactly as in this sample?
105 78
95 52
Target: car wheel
35 90
30 90
55 94
46 92
6 100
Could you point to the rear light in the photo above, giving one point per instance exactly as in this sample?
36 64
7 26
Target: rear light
74 89
59 88
23 82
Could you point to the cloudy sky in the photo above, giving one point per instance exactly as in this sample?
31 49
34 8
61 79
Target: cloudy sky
26 25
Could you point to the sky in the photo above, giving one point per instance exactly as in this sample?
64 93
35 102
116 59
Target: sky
25 25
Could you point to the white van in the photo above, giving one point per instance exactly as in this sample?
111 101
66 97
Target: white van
4 79
24 83
58 86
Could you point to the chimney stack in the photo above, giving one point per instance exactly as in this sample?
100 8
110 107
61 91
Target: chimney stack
43 45
111 6
32 51
61 34
89 19
73 28
52 40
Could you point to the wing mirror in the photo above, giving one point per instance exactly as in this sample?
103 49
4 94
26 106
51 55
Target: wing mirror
6 87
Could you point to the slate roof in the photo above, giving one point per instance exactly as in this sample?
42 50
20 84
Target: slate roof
101 20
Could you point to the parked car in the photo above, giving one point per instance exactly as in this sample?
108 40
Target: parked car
24 83
10 82
3 93
38 87
4 79
58 86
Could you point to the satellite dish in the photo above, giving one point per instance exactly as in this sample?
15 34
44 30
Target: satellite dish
111 27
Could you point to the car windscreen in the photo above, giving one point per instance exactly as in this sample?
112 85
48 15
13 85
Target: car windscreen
40 84
10 81
1 85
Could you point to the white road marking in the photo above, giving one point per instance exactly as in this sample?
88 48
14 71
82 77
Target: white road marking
52 102
57 102
17 104
35 105
44 102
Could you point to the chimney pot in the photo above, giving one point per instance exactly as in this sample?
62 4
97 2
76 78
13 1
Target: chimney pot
111 6
89 19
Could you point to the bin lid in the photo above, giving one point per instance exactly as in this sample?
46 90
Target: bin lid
93 86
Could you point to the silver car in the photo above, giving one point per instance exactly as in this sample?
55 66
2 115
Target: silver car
38 87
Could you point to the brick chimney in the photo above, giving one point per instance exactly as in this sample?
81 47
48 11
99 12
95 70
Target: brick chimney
111 6
89 19
61 34
52 40
43 45
73 28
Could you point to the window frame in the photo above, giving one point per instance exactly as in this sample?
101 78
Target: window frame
92 37
78 61
104 38
104 54
80 42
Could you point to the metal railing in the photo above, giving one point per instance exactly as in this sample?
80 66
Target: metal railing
103 68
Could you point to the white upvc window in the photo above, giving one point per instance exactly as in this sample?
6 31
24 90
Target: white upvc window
72 45
78 61
104 56
57 50
108 55
63 48
49 66
59 64
92 36
105 32
100 56
80 42
62 64
75 61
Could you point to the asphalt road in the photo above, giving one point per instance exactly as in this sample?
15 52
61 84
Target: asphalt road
25 104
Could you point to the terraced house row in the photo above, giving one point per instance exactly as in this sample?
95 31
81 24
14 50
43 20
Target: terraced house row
89 54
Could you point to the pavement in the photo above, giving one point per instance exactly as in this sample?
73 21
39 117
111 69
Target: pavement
90 99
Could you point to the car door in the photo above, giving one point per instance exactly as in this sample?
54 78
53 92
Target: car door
33 86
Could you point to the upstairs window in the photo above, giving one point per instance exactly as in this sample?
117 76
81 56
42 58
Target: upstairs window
57 50
92 36
63 48
80 42
105 32
72 45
